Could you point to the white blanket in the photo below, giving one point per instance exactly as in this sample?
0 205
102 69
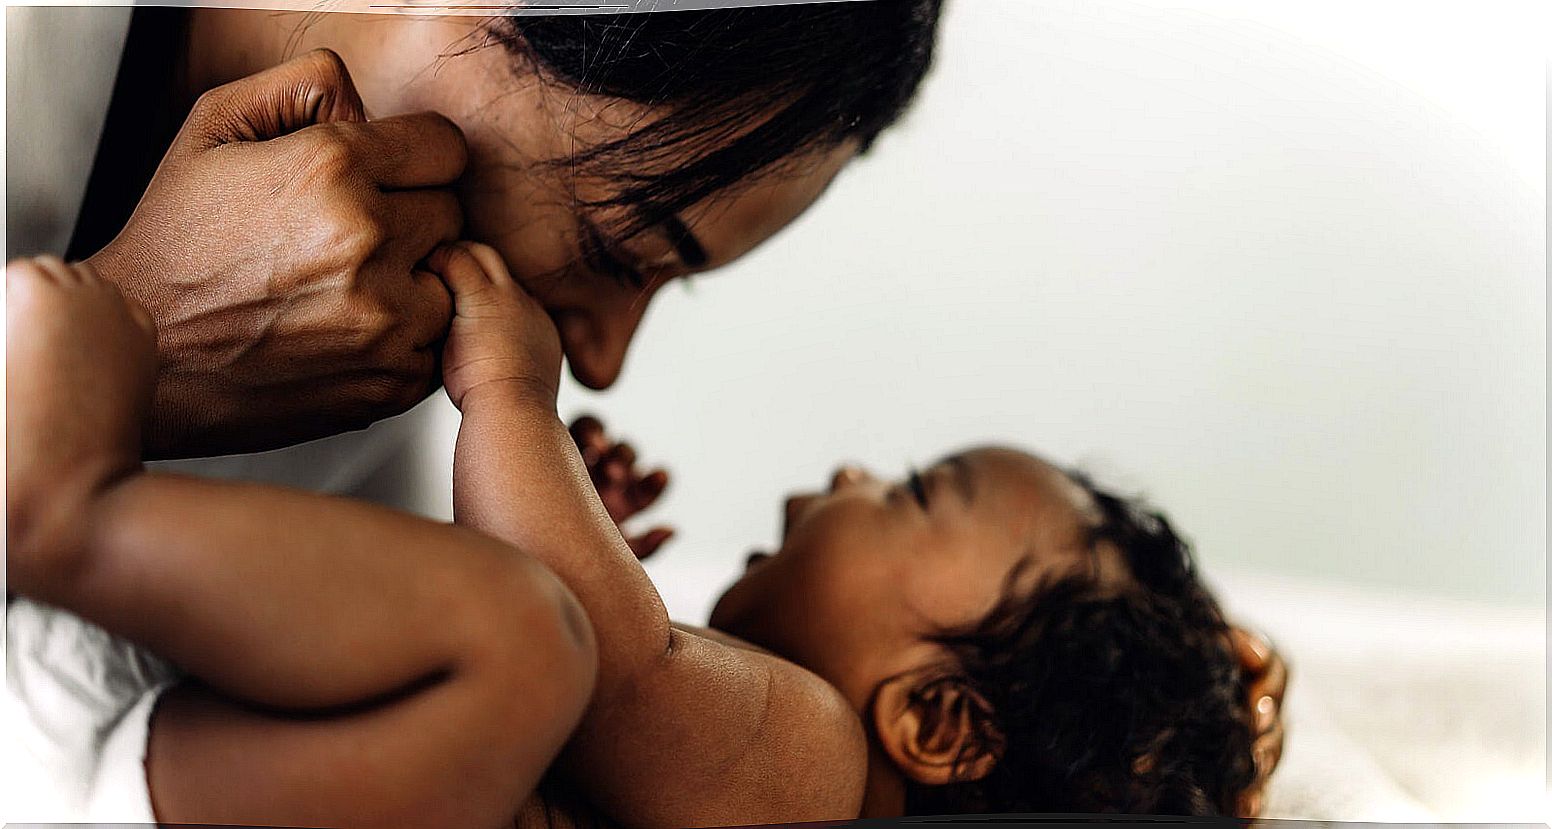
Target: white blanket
1402 707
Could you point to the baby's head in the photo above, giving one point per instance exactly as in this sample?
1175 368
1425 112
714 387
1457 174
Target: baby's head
1014 639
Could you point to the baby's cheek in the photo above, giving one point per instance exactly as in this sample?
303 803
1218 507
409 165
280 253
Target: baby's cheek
949 596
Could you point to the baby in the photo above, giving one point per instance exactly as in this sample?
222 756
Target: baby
1016 639
991 635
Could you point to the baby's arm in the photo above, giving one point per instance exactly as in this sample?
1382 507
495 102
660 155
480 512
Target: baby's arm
682 730
355 665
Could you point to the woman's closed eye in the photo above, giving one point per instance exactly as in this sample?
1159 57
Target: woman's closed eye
599 257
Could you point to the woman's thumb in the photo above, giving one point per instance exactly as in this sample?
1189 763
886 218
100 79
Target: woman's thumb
311 89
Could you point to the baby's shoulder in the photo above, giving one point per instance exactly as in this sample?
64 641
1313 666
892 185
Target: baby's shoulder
808 735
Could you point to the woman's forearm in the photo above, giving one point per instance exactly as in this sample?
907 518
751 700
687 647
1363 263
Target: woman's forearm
518 476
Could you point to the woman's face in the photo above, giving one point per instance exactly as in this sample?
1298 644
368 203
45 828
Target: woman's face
527 208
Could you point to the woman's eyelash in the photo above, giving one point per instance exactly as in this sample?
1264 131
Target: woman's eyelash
918 489
600 259
622 272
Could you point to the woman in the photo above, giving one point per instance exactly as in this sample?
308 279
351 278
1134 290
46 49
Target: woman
601 168
276 245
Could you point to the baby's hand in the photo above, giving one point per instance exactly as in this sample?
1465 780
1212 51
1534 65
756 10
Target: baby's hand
624 490
499 334
80 369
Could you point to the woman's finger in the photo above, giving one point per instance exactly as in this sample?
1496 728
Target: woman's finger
1253 649
405 152
427 310
310 89
1266 667
1273 681
1250 804
1268 752
1264 712
417 221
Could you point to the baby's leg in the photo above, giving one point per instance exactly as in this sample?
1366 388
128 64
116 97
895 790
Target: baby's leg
503 681
358 666
355 665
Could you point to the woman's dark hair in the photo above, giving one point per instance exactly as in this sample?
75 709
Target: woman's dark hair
1122 701
741 89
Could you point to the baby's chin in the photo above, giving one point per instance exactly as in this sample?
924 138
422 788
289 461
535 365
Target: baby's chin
725 618
736 611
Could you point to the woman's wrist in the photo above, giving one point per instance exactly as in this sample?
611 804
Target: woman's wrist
124 268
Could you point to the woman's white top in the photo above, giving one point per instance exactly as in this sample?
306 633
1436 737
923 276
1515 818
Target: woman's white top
61 63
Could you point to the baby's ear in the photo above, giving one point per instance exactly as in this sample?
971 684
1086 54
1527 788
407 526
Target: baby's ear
936 729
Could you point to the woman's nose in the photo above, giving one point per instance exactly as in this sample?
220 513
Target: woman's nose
595 346
847 476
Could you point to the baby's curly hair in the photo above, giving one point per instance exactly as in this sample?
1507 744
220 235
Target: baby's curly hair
1121 702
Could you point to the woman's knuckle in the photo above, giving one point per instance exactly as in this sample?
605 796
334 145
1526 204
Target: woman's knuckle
326 65
212 101
349 230
328 153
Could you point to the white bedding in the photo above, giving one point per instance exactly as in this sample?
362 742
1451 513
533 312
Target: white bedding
1401 707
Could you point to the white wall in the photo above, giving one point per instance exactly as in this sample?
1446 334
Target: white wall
1279 266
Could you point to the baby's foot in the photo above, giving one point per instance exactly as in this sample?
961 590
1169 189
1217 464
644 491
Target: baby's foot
80 367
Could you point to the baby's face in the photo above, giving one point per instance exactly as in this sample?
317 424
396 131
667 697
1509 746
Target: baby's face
869 569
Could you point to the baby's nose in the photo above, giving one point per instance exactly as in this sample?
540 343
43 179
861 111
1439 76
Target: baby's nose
847 476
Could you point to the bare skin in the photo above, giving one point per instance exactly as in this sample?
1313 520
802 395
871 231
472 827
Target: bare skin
627 491
447 674
345 657
376 669
288 302
813 721
771 741
763 722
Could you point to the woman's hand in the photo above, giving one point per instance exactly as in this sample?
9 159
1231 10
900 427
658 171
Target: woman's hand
624 490
1268 675
276 250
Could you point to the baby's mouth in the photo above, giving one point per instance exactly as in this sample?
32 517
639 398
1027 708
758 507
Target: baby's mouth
789 513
